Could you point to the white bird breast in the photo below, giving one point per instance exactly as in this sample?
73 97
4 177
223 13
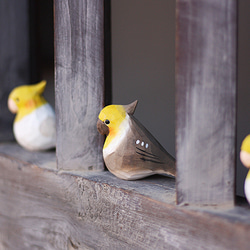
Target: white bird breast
247 187
37 131
121 135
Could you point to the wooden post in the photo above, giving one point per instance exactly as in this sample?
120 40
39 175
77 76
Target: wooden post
14 57
79 62
206 101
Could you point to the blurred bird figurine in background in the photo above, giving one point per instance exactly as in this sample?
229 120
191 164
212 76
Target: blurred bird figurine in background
34 125
245 159
130 152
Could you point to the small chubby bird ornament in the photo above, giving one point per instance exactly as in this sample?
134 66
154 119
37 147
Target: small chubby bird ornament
34 125
245 159
130 152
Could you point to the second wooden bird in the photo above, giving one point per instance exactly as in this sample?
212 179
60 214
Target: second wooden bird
34 125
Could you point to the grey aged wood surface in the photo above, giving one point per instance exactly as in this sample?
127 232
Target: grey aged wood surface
206 101
14 57
46 209
79 80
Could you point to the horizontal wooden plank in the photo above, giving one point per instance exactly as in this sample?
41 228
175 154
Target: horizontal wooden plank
43 159
42 209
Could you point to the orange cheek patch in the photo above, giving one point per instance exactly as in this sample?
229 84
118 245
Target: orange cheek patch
112 132
30 104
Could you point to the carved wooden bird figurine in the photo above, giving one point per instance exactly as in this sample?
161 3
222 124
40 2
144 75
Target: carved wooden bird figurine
130 152
34 125
245 159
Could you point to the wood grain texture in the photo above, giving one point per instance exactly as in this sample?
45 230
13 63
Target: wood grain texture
14 57
43 209
79 69
206 101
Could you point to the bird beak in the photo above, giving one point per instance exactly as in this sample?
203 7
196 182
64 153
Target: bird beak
12 106
102 128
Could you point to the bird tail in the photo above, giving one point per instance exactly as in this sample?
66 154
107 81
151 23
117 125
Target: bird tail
169 167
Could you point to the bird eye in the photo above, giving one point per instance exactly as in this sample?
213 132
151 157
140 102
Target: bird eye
17 99
107 122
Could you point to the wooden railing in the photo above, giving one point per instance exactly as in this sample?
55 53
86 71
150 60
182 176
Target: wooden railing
79 69
67 202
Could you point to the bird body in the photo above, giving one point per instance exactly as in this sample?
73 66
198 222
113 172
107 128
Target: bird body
247 186
245 159
130 152
34 124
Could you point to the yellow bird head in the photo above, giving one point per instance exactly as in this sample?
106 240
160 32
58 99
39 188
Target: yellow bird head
245 152
111 120
24 99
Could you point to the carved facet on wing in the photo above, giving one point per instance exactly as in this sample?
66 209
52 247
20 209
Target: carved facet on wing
146 152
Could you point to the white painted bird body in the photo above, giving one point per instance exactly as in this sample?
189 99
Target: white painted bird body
247 186
34 126
36 131
130 151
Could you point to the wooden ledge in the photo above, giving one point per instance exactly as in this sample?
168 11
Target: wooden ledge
43 208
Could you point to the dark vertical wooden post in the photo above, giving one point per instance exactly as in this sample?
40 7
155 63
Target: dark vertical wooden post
107 53
79 80
206 101
14 56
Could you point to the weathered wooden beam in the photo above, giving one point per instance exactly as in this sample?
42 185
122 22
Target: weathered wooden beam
43 209
206 101
14 56
79 80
